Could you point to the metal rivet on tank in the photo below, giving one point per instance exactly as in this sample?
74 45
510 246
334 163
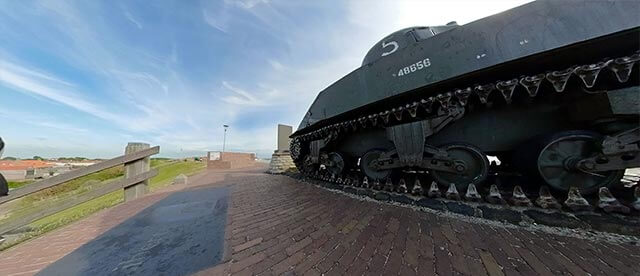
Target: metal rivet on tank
589 73
463 95
494 196
576 202
608 203
397 112
483 92
417 188
545 200
434 191
452 192
532 83
559 79
412 109
427 104
402 186
506 88
636 194
472 193
519 198
622 67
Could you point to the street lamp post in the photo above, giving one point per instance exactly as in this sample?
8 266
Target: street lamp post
224 137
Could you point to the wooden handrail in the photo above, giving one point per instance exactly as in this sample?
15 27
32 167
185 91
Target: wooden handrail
61 178
66 204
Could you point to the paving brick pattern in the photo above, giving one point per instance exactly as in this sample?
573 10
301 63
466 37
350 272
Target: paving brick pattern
280 226
32 256
277 225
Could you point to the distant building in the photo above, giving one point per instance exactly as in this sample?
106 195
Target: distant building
25 169
74 164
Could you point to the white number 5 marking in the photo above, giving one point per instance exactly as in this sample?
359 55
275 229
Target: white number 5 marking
386 44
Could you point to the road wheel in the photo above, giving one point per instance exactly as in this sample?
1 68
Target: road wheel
473 167
366 165
558 155
336 163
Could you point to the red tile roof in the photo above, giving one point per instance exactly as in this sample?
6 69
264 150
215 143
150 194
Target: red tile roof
11 165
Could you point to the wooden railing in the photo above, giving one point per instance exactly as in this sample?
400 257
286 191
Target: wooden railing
135 183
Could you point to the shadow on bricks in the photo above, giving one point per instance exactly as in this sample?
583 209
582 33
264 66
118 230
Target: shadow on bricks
179 235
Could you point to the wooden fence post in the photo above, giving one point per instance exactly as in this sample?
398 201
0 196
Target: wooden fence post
134 168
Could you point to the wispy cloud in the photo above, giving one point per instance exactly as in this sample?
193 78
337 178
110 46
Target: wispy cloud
242 97
40 84
38 121
218 20
246 4
131 19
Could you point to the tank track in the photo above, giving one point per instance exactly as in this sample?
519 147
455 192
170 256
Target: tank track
517 209
605 203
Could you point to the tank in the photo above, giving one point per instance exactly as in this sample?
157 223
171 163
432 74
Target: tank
548 91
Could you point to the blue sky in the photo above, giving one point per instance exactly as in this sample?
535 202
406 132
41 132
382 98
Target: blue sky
83 78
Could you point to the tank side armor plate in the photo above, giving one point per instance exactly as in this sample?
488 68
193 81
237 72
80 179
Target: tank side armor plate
625 101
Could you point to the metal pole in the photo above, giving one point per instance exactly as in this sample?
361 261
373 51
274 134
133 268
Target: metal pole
224 137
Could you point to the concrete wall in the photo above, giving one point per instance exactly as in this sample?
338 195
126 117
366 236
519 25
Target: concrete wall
32 173
231 160
14 174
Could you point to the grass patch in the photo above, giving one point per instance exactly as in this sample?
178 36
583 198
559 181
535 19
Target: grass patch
18 184
73 187
167 171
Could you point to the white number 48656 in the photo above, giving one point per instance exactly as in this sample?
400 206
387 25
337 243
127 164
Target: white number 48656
414 67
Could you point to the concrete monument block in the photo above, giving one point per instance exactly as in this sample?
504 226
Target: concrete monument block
281 159
284 132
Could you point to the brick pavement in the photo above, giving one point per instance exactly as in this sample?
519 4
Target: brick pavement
277 225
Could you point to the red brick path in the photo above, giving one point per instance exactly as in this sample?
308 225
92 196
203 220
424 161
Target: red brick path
277 225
